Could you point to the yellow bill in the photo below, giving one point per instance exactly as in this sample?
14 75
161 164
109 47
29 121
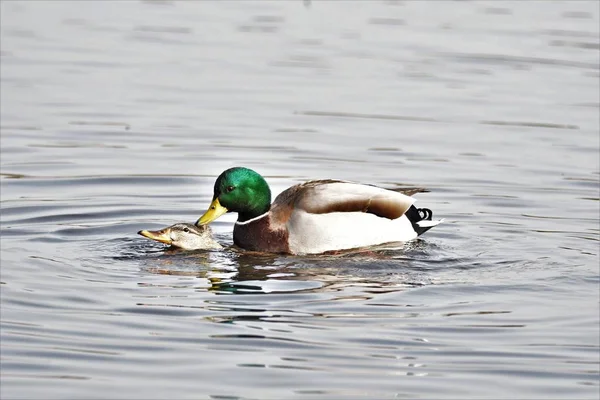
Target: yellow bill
163 235
214 211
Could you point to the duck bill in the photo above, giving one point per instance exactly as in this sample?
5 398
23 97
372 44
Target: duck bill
163 235
214 211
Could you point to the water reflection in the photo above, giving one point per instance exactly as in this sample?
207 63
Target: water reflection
383 268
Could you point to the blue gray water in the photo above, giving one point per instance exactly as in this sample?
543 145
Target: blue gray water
118 116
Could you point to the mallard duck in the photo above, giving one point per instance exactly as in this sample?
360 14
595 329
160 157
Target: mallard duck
185 236
315 216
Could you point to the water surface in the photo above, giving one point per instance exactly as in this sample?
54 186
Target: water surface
116 118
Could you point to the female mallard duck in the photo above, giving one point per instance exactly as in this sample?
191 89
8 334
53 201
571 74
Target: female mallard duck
184 236
315 216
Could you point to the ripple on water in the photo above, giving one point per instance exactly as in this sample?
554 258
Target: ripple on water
101 139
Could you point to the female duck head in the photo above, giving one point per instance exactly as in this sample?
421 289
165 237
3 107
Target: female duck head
185 236
240 190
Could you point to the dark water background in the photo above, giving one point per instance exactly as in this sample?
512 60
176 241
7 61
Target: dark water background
118 116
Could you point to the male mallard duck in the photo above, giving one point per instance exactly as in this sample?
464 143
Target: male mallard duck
185 236
315 216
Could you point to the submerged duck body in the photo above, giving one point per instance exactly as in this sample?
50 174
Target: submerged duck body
315 216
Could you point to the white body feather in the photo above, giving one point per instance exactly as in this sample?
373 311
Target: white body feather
317 233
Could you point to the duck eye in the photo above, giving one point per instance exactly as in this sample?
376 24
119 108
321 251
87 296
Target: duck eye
186 230
230 189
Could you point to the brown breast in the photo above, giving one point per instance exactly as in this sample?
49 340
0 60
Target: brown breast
259 235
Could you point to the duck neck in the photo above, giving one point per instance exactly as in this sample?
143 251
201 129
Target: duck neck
261 203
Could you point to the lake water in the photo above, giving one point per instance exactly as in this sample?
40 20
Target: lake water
118 116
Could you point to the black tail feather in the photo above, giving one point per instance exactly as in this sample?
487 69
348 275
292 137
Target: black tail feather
415 215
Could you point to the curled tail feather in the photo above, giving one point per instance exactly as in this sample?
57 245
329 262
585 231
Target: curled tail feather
421 219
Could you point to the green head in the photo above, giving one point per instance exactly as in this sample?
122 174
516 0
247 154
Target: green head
240 190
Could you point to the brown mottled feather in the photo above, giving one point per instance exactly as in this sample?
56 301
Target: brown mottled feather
299 196
410 191
284 203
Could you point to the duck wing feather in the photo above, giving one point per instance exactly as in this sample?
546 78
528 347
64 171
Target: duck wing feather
329 196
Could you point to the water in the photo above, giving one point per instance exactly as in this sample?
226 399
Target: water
118 117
